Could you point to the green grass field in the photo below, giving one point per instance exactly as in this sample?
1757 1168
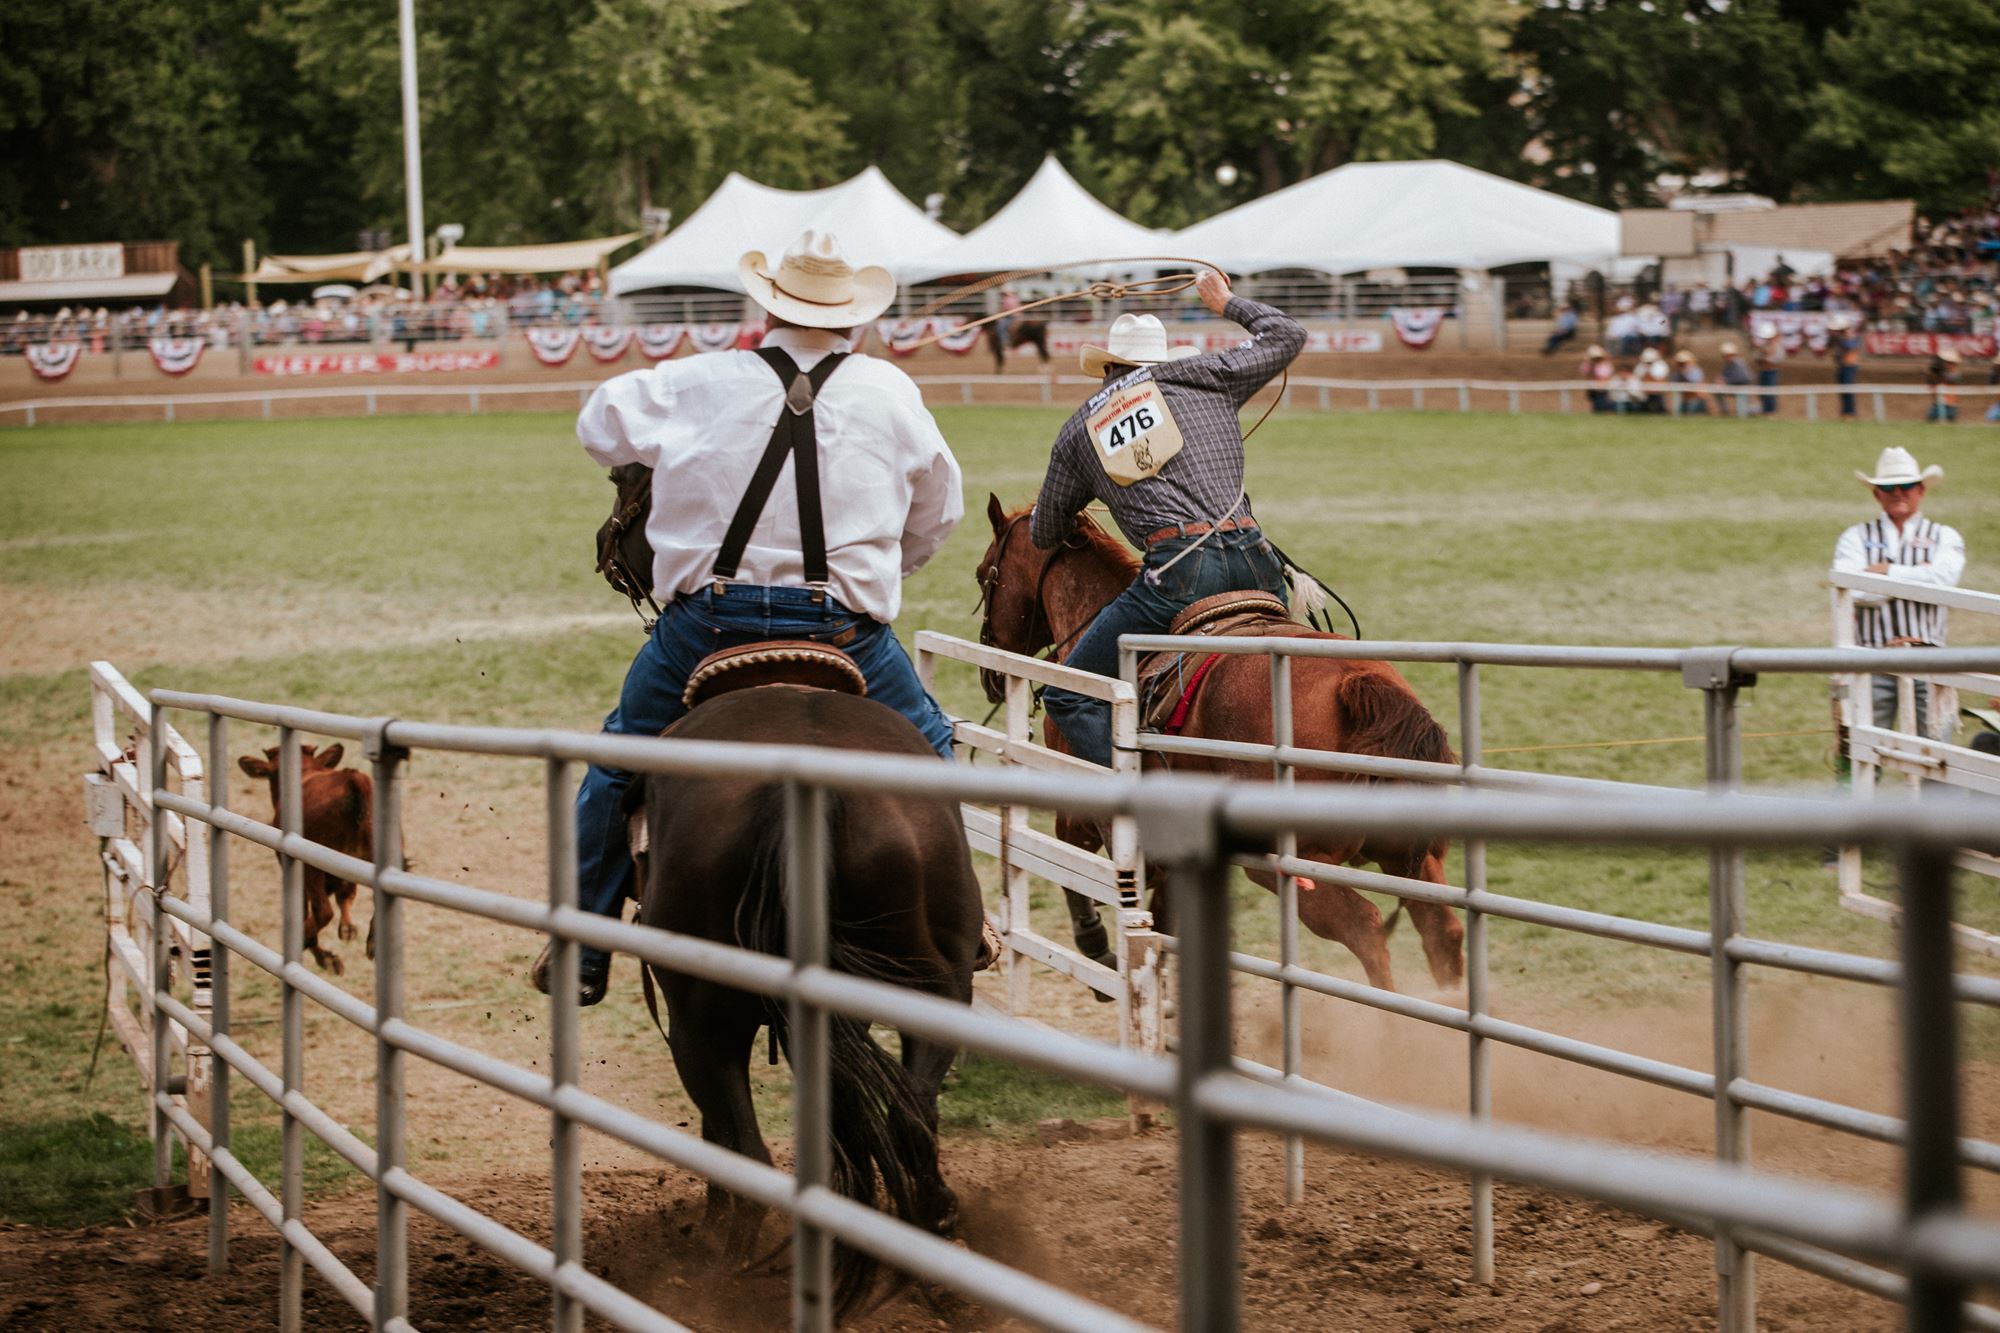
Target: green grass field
439 568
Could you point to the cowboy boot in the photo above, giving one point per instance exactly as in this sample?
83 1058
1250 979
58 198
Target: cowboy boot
591 982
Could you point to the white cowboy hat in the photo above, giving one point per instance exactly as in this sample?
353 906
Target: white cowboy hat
1840 321
814 285
1947 353
1897 468
1136 340
1766 330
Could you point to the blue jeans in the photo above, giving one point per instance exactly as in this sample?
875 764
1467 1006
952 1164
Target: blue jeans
692 627
1846 375
1768 379
1226 562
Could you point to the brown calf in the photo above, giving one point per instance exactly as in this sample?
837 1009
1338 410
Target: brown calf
336 807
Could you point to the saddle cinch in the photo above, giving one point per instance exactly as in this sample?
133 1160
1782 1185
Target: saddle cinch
1167 687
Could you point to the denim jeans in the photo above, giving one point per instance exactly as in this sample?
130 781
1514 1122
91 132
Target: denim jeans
1226 562
692 627
1846 375
1768 379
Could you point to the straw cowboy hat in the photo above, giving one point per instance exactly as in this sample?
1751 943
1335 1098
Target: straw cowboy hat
1593 352
1897 468
1729 349
814 285
1136 340
1684 356
1947 353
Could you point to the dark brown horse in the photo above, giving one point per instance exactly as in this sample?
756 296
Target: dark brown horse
1020 333
1034 599
903 906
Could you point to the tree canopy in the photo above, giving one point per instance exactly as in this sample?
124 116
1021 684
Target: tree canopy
209 121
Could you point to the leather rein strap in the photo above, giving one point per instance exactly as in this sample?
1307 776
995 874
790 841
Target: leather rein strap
793 437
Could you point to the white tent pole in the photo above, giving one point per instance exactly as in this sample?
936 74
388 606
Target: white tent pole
413 163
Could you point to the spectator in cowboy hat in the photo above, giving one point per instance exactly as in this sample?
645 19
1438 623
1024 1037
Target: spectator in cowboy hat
1903 545
1694 401
1597 368
1735 371
734 566
1943 376
1160 445
1845 332
1770 348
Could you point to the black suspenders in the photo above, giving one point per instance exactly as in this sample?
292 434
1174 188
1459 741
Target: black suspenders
792 437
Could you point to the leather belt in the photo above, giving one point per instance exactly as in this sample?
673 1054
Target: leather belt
1199 529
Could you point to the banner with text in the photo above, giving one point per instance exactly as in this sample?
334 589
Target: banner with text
371 363
1929 344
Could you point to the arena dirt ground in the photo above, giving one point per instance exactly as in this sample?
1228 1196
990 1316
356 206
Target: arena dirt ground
1375 1246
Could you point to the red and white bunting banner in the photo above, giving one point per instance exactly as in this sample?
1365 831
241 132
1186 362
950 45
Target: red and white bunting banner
954 337
1929 344
53 361
554 347
713 337
897 334
657 342
373 363
177 356
1417 329
606 343
1797 328
1345 340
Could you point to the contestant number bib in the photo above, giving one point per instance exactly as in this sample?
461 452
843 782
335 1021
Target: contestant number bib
1134 432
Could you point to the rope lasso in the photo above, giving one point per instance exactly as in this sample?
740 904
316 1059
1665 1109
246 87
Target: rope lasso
1104 289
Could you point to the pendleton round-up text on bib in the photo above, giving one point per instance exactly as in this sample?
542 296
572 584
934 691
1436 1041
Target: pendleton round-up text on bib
1133 431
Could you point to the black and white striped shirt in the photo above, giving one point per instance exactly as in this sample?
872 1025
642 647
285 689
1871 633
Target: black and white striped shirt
1921 552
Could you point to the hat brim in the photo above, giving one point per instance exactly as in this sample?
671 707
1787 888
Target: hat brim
1096 360
1929 475
874 291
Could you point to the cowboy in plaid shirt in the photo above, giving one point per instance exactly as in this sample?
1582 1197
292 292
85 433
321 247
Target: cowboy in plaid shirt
1160 444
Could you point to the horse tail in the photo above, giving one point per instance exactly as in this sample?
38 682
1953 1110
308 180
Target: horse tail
884 1136
1383 716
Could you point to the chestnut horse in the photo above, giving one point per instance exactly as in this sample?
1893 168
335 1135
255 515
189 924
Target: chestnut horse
1034 599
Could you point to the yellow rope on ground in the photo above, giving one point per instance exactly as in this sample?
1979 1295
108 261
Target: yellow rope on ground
1656 740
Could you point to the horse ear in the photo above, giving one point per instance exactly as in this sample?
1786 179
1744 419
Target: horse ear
995 512
330 756
255 767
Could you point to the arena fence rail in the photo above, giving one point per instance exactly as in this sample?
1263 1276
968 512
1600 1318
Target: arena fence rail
1195 828
1301 391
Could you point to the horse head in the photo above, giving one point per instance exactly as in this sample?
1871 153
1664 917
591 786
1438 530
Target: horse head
1033 599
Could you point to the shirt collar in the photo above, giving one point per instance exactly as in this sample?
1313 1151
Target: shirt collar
808 340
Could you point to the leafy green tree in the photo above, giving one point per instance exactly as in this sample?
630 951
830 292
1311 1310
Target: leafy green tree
1912 105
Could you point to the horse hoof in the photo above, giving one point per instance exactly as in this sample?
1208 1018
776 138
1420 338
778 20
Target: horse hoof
347 932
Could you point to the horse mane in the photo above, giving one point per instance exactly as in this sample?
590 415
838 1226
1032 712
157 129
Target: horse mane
1388 719
1097 538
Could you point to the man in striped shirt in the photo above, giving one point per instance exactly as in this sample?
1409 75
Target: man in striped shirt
1903 545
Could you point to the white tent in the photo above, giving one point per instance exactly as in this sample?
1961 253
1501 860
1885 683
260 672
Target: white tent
1053 223
1403 215
874 222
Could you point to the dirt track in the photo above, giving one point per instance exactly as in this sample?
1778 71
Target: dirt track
1376 1246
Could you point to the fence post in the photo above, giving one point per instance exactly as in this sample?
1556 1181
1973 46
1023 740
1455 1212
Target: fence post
392 1251
1325 398
1464 397
1014 879
218 1012
1812 405
1417 398
1187 839
1514 402
1931 1173
1479 1057
1710 671
160 962
291 1177
1374 398
1881 408
1288 923
1562 400
812 1154
566 1136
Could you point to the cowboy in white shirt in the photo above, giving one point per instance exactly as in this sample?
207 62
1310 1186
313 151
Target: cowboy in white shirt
747 545
1902 545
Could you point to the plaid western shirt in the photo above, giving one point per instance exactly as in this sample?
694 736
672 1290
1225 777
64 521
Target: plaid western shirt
1201 482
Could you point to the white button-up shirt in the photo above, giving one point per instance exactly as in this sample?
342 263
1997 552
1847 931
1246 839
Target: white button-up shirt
1923 553
890 490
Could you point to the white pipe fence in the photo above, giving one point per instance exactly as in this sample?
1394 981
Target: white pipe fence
1928 1251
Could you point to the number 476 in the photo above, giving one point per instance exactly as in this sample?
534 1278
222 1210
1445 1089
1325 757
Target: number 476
1130 426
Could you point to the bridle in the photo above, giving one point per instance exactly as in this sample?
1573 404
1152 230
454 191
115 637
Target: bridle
988 575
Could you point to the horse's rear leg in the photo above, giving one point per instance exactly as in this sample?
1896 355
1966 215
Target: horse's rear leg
1336 912
711 1032
318 915
1442 933
343 895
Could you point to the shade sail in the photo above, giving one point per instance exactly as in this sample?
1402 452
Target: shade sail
873 221
1053 223
1403 215
555 257
354 266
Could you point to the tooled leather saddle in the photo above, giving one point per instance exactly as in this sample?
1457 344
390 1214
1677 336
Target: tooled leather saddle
1169 682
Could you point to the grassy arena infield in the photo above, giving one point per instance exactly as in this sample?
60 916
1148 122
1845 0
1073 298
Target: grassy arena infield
437 568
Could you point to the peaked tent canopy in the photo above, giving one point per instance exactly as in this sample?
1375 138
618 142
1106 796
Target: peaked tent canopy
355 266
1404 215
1053 223
872 219
552 257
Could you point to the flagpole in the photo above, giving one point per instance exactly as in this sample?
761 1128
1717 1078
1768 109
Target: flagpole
413 164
